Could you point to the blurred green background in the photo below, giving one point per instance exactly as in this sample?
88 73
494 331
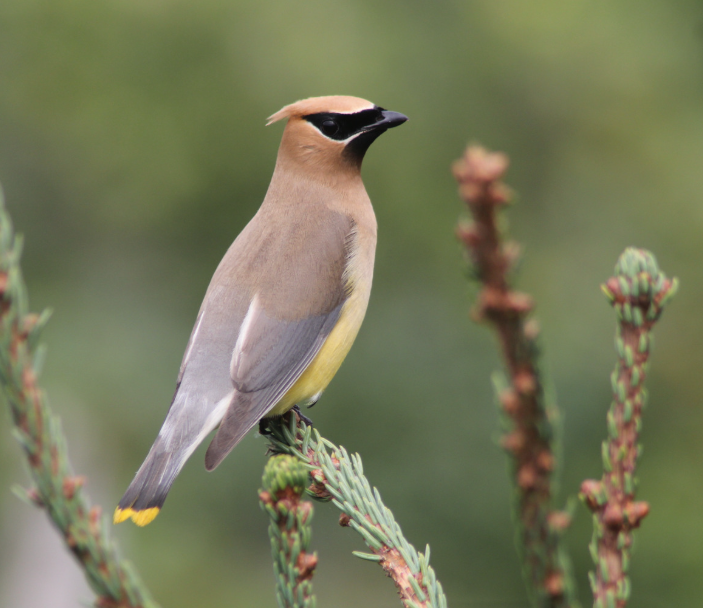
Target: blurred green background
133 151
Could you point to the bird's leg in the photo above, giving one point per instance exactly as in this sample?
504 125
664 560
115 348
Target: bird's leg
302 416
264 423
264 427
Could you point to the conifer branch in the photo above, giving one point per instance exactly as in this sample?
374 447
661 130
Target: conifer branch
284 481
638 292
56 488
531 419
339 477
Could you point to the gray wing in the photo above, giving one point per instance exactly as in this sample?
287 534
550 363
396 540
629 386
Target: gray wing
294 308
268 363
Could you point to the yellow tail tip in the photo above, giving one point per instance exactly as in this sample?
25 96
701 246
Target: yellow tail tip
121 515
141 518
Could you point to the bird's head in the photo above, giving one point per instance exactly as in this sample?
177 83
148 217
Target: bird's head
332 133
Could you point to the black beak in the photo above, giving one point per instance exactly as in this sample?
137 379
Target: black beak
390 120
357 147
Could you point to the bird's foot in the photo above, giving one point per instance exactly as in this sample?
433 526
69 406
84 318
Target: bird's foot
302 416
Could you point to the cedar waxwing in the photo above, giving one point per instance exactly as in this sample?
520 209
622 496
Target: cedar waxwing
285 303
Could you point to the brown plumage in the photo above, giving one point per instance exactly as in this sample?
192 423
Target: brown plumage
285 302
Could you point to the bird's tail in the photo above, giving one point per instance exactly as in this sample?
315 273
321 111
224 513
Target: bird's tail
146 494
188 422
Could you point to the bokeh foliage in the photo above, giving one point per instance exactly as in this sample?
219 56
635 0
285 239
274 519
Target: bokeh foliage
132 151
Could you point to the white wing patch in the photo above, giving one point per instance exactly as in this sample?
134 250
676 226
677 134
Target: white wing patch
192 340
173 434
245 329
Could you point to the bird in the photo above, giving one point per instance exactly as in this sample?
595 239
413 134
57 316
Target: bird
285 303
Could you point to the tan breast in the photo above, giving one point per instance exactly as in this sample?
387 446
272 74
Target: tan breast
358 276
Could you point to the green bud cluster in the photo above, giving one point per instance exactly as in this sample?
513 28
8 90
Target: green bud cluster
281 472
290 530
638 292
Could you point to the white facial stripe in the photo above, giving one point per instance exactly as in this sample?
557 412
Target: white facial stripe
338 141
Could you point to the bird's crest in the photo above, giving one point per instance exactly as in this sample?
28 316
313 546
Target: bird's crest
339 104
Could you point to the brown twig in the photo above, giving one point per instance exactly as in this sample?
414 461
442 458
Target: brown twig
57 489
638 292
532 434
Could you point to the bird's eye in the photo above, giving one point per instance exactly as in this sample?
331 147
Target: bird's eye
330 127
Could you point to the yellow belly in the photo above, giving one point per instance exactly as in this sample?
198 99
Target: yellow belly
324 366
